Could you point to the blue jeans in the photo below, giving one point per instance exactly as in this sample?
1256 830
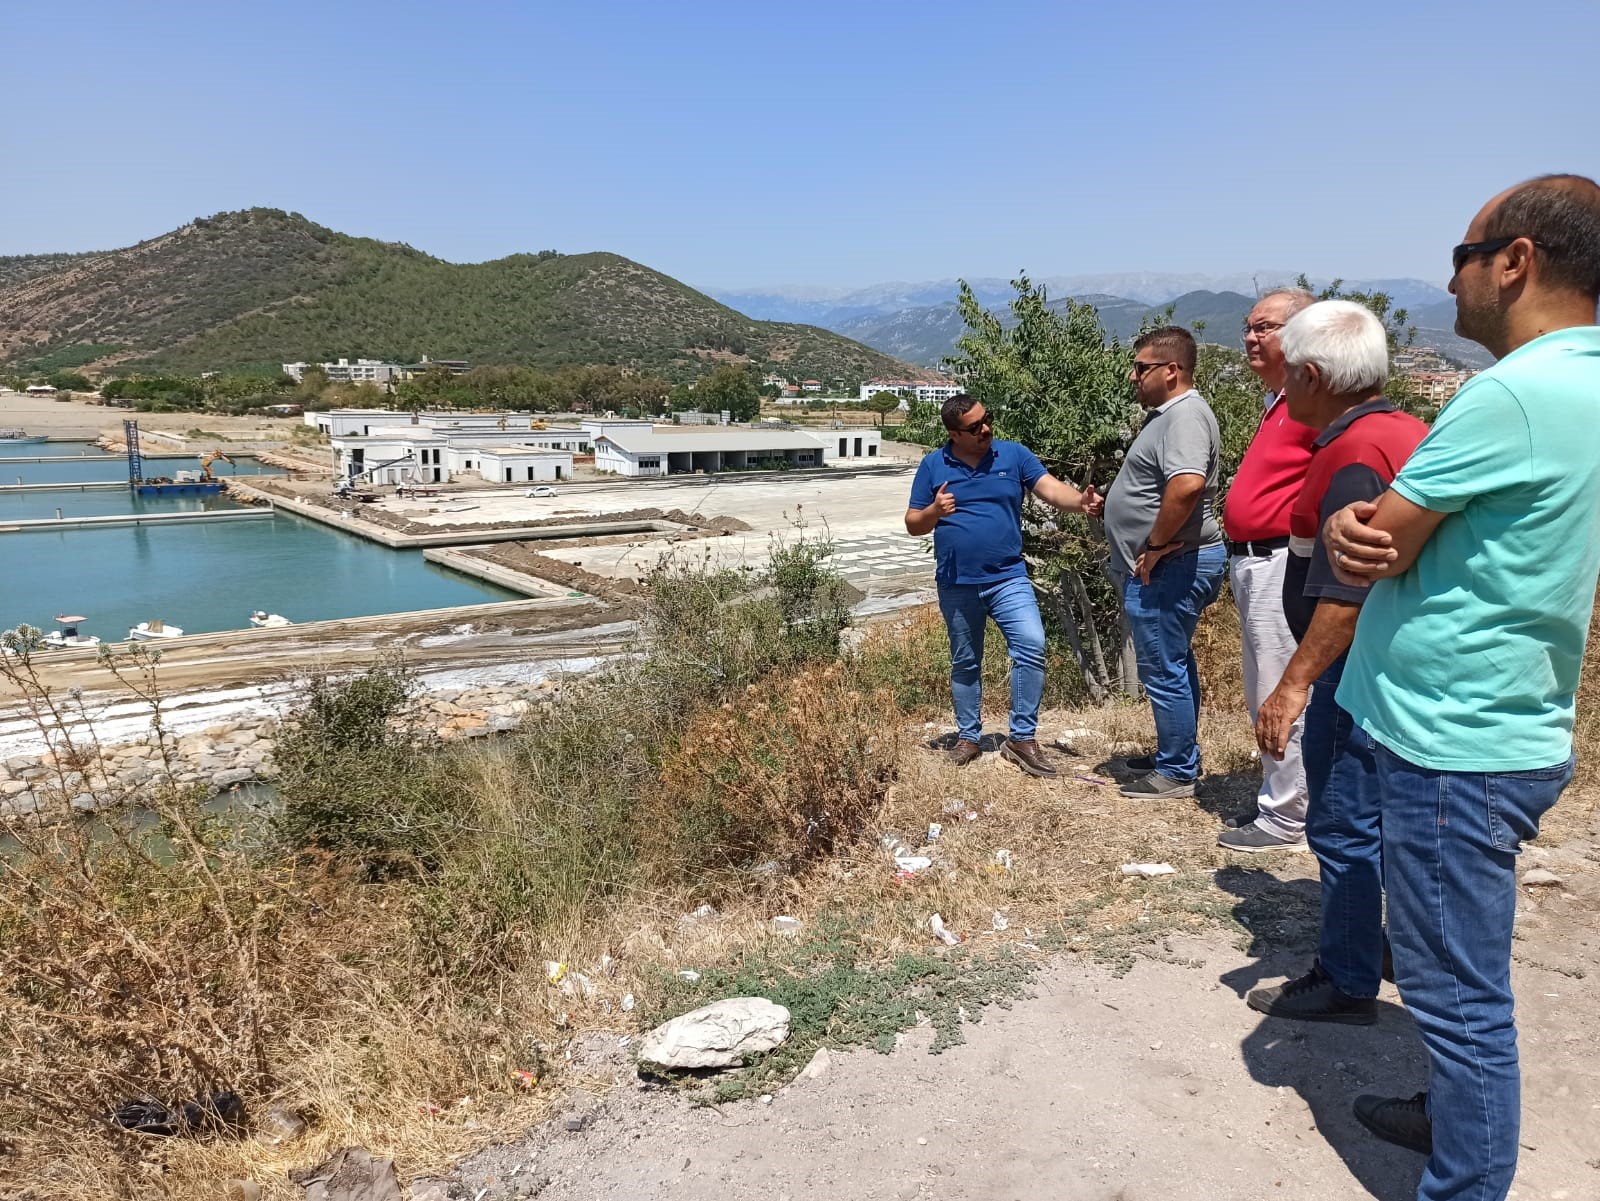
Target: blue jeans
1344 829
1450 846
1162 616
1016 612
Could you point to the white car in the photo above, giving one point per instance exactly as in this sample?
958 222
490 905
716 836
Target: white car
541 490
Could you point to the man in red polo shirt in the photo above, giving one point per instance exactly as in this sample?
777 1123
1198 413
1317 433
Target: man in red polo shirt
1255 520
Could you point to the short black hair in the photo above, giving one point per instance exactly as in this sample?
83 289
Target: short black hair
954 409
1173 341
1562 214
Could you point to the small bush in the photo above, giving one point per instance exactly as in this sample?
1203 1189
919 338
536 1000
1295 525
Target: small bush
789 771
356 779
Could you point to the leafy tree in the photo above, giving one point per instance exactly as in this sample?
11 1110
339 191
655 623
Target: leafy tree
1054 383
730 388
69 381
882 404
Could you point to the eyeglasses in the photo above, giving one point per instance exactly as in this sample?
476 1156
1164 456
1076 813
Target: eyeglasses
1261 328
1463 252
978 426
1139 368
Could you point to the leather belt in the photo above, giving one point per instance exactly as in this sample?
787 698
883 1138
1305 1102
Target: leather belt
1261 546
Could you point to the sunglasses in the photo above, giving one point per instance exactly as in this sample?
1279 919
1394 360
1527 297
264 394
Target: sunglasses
1463 252
1140 368
983 423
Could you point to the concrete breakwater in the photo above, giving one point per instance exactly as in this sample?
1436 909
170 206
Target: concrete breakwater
233 753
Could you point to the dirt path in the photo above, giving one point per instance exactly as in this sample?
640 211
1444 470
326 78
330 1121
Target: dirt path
1160 1084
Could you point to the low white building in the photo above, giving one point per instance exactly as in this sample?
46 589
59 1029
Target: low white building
395 454
680 452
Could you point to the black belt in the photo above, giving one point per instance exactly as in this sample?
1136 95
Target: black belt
1261 546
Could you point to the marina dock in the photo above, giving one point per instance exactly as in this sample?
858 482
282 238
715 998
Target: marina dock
117 519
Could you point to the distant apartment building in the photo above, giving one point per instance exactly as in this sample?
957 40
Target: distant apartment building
375 371
910 389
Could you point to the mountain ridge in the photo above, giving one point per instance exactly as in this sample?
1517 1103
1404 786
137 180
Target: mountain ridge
253 288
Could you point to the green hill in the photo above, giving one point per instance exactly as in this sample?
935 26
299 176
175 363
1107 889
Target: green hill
253 289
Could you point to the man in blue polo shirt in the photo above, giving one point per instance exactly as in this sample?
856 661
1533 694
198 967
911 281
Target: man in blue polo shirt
1467 655
968 495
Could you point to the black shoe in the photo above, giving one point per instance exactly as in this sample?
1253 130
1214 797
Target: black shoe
1313 998
1140 765
1398 1120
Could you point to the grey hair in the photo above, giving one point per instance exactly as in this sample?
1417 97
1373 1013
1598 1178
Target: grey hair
1344 340
1298 299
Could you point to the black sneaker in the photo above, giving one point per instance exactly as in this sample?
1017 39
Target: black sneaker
1398 1120
1313 998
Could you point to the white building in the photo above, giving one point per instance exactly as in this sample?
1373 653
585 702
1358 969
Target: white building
678 452
919 389
362 371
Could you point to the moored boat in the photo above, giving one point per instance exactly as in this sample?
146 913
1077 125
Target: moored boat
67 636
263 620
16 437
153 631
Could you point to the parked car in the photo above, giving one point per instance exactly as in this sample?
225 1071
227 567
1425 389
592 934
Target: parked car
541 490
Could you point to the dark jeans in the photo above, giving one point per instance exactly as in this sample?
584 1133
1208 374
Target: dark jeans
1162 616
1450 846
1345 831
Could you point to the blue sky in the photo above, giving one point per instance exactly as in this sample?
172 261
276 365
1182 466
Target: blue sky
821 144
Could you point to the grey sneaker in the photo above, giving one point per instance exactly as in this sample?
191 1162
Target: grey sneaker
1253 839
1157 787
1402 1121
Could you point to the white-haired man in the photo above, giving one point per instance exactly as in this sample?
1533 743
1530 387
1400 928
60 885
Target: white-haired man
1337 359
1256 523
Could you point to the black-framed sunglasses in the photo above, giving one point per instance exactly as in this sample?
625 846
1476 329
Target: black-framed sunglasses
978 426
1463 252
1140 368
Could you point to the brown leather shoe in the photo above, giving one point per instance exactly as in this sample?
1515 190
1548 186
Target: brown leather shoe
1029 757
964 752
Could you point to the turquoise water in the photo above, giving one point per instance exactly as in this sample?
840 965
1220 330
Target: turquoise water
199 576
96 466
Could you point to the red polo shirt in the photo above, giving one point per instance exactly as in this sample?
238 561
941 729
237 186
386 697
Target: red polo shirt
1356 458
1274 467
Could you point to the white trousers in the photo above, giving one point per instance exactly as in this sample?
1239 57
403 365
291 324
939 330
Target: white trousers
1268 647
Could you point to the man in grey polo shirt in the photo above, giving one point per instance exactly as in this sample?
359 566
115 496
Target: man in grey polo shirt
1167 552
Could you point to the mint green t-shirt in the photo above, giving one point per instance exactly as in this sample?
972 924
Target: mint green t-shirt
1469 661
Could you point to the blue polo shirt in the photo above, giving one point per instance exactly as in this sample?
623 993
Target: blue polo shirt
981 542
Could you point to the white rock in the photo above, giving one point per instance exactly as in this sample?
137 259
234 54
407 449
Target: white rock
819 1065
1148 870
234 775
787 925
1536 877
721 1035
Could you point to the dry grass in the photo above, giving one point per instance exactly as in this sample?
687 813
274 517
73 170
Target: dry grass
394 1013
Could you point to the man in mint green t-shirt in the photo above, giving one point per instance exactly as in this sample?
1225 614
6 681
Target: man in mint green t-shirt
1466 659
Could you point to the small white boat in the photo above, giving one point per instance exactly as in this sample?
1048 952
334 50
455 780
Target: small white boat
67 636
12 436
268 621
153 631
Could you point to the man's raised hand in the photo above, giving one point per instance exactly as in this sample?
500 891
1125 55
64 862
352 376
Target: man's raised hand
944 502
1093 503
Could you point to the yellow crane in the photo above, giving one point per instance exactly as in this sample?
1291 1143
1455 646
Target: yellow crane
207 460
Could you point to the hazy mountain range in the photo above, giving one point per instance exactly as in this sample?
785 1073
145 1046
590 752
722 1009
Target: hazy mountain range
919 322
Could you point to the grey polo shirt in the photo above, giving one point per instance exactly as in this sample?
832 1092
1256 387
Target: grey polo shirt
1178 438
